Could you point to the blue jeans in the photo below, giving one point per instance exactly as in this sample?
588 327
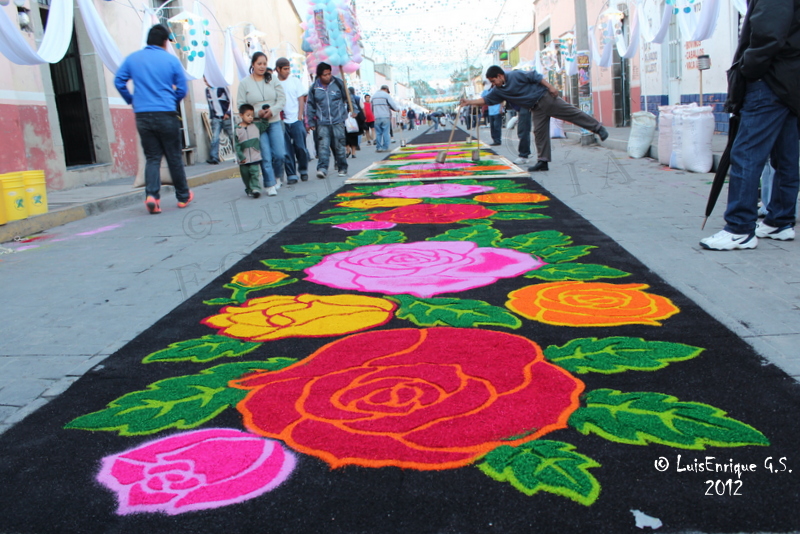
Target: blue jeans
273 153
160 133
496 128
331 136
767 129
217 125
524 132
295 141
382 133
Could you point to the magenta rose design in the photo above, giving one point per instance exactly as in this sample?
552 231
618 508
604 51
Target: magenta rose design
443 190
366 225
195 471
422 269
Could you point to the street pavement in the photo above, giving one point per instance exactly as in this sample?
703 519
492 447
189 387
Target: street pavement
90 286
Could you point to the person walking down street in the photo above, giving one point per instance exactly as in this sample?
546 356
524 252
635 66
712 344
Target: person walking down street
327 111
768 57
529 89
219 115
382 107
412 118
369 120
248 149
524 134
159 86
495 121
267 97
351 138
293 123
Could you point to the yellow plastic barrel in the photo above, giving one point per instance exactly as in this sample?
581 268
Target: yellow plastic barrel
35 192
12 189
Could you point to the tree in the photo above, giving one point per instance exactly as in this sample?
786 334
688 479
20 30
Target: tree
423 88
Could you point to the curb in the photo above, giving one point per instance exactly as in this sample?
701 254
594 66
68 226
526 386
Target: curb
39 223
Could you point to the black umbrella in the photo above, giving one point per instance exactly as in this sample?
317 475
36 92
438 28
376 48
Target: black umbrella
722 168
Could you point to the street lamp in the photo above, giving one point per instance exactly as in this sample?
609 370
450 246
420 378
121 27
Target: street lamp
703 63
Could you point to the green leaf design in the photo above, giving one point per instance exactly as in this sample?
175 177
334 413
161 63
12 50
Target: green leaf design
369 189
575 271
292 264
220 302
240 291
562 254
533 242
544 465
618 354
346 218
640 418
181 403
204 349
481 235
461 313
316 249
500 186
457 200
340 210
516 207
518 216
375 237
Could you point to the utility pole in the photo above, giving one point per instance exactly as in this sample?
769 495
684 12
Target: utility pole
582 44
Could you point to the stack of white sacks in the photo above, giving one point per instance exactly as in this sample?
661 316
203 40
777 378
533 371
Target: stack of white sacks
684 137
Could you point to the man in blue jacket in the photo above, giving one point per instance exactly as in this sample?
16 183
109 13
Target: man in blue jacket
327 111
159 85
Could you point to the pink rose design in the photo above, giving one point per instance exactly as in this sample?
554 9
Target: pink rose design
195 471
423 269
443 190
365 225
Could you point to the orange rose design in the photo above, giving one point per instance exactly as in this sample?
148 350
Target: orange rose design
369 203
427 399
511 198
258 278
279 316
591 304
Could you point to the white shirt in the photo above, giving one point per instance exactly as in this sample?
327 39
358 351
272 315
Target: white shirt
293 88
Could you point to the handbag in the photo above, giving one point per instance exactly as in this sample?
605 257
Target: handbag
351 125
737 86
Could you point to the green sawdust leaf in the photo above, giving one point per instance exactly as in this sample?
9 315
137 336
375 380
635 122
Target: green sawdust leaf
534 242
375 237
481 235
220 302
292 264
461 313
501 186
618 354
575 271
640 418
458 200
346 218
317 249
182 402
518 216
204 349
516 207
341 210
563 254
544 465
369 189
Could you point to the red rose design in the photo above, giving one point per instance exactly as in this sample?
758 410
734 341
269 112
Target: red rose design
435 398
433 213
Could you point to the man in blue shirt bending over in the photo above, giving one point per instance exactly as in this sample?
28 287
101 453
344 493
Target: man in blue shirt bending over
159 85
531 90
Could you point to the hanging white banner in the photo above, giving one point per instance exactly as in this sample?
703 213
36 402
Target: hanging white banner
102 41
626 50
696 27
603 60
55 41
665 17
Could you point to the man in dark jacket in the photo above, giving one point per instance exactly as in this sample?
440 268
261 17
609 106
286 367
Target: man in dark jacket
327 111
768 56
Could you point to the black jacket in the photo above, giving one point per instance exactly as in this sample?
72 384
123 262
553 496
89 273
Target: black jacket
769 47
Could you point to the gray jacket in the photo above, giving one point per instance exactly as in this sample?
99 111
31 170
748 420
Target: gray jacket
327 105
383 105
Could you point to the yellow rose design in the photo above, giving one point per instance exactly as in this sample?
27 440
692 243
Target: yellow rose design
369 203
258 278
279 316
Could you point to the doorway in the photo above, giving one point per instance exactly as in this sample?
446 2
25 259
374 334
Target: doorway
73 112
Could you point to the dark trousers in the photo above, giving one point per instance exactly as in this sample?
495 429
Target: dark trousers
160 133
524 132
553 106
496 127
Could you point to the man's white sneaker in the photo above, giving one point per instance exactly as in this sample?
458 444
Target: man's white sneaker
520 161
785 233
724 240
321 174
272 191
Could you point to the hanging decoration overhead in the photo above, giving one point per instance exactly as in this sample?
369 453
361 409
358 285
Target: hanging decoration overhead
55 40
332 35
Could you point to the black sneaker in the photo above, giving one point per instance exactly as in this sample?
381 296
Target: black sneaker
540 166
304 177
256 194
603 133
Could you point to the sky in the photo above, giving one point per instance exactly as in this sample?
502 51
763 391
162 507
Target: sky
429 39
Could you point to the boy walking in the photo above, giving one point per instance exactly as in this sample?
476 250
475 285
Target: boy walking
248 151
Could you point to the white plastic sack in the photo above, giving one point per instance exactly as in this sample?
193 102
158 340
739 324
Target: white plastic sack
642 131
512 122
664 134
676 156
556 129
698 131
